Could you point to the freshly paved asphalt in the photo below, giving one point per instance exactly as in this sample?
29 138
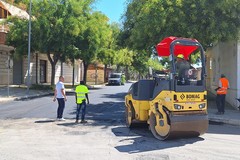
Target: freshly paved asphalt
231 116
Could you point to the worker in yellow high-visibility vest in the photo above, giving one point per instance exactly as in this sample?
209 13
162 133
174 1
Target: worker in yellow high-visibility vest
81 94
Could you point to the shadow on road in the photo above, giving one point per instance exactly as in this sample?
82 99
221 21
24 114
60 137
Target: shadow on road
118 96
142 140
69 124
112 114
44 121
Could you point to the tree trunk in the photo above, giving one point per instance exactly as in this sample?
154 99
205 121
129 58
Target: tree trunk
73 75
61 69
118 68
105 73
53 61
85 66
53 75
127 73
36 68
96 74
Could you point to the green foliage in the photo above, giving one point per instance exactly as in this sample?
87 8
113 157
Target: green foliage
55 26
124 57
68 29
106 56
123 79
140 62
148 22
108 50
57 22
155 64
94 41
18 35
95 35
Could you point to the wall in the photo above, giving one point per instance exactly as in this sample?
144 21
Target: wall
67 70
91 75
223 59
32 69
4 70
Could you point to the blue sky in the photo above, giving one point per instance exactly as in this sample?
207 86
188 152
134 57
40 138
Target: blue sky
113 9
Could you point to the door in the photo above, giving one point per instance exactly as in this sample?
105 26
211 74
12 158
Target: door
17 71
43 71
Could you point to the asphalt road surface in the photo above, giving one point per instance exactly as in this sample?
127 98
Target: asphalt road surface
28 131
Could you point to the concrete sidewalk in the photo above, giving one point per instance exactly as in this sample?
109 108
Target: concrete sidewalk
20 93
231 116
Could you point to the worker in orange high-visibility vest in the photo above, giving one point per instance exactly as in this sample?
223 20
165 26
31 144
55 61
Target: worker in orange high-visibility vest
223 86
81 94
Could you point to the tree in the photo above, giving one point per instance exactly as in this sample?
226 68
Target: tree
155 64
124 58
147 22
93 39
55 25
59 22
140 62
107 54
18 36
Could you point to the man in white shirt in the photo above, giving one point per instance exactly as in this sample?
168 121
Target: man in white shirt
60 95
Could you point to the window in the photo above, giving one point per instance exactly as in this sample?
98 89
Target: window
3 13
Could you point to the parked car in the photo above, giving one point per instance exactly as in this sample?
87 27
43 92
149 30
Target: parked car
116 79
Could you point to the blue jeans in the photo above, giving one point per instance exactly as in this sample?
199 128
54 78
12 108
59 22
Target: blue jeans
61 106
81 106
220 100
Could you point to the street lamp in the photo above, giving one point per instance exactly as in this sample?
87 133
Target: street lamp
29 45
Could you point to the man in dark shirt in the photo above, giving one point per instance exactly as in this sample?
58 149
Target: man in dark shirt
182 66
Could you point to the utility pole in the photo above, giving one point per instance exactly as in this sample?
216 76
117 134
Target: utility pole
29 45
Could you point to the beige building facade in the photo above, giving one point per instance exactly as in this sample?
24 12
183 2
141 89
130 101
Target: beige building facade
224 58
41 70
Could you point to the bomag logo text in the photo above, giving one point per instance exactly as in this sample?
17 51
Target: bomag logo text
190 96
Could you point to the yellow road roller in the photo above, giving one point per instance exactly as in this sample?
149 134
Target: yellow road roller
174 106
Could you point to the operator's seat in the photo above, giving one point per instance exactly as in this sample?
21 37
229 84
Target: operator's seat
143 89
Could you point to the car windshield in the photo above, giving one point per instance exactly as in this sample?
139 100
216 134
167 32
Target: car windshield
115 76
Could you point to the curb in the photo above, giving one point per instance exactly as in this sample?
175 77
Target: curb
32 97
225 121
94 86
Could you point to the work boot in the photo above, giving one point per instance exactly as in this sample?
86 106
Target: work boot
76 121
83 121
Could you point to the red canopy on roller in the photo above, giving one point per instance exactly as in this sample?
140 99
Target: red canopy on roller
163 48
